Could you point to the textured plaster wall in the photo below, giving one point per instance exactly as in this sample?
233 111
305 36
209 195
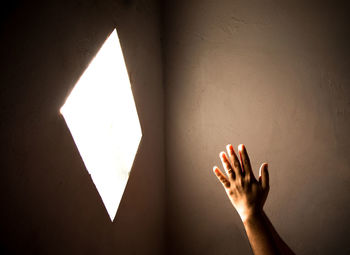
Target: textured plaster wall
275 76
49 204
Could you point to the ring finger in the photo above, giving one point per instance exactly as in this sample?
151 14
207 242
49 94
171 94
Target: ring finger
227 166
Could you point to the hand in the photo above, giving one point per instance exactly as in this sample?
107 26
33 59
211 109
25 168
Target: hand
246 194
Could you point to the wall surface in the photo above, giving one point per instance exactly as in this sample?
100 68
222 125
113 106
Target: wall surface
273 75
270 74
49 204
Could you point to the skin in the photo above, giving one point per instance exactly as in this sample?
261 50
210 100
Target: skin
248 196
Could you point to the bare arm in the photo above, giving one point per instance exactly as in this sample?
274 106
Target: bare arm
248 196
283 248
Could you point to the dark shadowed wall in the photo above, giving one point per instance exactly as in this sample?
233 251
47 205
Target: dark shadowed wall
275 76
49 204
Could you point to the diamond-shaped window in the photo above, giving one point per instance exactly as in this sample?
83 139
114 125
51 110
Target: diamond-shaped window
101 115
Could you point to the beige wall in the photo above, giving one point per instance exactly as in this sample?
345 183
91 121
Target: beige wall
49 203
275 76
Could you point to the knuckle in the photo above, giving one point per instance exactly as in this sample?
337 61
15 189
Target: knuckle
239 189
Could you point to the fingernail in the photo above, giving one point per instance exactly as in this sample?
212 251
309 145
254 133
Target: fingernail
240 147
222 154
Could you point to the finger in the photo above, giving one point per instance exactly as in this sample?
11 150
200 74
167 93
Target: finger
247 169
227 166
234 160
264 176
221 177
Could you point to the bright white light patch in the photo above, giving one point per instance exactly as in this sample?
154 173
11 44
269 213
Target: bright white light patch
102 118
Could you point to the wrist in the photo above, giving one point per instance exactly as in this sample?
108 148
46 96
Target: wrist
253 216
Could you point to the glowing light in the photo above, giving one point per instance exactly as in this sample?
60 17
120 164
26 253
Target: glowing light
102 118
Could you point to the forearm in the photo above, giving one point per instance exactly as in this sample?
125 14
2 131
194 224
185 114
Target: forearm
259 235
281 245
